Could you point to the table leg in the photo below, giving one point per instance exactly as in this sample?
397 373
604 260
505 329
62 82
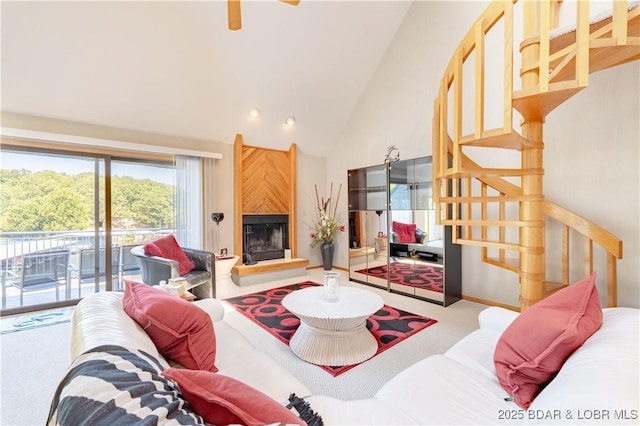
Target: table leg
334 348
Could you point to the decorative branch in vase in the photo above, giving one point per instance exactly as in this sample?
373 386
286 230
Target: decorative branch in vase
326 227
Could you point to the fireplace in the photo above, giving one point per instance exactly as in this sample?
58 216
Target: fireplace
264 236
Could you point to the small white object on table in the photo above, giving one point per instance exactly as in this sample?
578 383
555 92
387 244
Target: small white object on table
333 333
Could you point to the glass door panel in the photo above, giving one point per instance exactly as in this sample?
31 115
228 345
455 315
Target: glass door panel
143 209
376 178
367 225
416 246
357 189
358 252
377 258
50 202
91 254
57 231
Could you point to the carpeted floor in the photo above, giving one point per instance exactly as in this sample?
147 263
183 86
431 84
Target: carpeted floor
33 361
389 325
418 275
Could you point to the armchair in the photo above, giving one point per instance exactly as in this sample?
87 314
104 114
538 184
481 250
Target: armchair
201 281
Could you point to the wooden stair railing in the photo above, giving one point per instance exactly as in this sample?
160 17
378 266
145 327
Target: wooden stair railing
503 209
495 251
591 233
566 60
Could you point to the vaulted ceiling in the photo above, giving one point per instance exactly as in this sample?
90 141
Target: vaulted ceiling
174 68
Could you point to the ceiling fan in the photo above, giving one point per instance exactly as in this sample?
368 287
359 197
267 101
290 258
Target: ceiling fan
235 18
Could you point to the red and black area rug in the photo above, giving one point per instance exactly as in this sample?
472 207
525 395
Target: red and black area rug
418 275
389 325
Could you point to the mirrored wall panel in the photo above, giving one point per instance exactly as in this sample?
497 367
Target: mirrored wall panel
395 241
368 254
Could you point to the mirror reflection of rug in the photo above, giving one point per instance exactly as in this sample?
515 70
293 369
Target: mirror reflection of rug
389 325
418 275
36 319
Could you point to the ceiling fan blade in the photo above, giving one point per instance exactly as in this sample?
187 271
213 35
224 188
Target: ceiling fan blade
292 2
235 18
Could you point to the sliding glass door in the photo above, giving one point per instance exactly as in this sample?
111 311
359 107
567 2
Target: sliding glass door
52 213
66 216
143 208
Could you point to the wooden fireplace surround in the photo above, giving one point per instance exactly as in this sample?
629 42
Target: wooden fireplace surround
264 183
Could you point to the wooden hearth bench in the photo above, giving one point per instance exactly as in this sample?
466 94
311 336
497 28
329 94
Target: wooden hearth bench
268 270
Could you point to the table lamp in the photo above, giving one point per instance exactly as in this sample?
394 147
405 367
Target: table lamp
217 218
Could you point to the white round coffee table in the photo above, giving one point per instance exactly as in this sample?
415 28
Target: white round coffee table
333 333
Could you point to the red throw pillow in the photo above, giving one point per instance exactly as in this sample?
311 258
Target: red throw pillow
406 231
223 400
169 248
537 343
180 330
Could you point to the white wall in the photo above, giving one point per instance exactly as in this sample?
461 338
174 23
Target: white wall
591 156
311 170
592 163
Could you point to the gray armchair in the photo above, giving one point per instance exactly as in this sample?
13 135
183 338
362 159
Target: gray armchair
201 281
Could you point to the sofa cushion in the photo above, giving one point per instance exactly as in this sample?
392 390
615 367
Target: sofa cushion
406 231
181 331
476 351
112 385
223 400
602 373
441 391
257 369
169 248
536 344
213 307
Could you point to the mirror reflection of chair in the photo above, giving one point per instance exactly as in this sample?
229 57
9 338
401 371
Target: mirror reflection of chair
87 267
43 271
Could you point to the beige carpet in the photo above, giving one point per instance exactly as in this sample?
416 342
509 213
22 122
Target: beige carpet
33 361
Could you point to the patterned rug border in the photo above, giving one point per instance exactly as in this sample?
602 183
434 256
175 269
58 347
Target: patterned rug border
381 272
291 322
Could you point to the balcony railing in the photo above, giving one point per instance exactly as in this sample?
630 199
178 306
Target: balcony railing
83 276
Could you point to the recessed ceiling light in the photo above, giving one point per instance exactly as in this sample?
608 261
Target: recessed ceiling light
255 112
290 121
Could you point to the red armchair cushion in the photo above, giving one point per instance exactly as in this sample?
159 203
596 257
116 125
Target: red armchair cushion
406 231
169 248
534 347
180 330
223 400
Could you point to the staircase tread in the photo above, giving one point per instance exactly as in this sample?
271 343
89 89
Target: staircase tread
498 138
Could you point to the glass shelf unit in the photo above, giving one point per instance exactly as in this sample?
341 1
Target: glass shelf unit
401 192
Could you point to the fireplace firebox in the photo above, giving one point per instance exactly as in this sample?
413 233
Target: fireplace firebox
265 236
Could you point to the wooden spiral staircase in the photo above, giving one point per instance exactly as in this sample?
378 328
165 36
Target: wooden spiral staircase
503 210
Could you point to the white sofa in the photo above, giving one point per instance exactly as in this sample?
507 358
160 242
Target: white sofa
597 384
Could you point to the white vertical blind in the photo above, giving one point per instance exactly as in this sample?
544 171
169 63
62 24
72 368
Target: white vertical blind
209 206
189 201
